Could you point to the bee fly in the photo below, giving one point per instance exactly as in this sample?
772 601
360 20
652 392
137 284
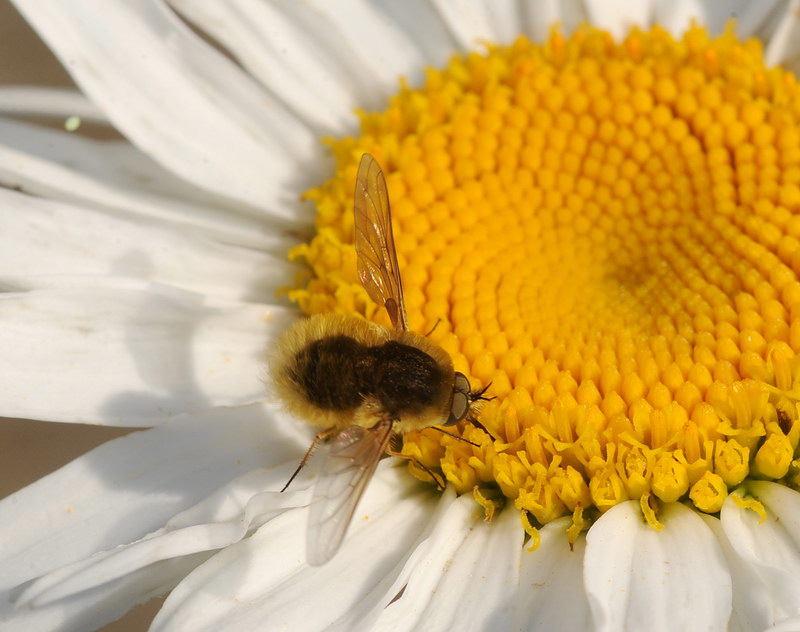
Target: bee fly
360 382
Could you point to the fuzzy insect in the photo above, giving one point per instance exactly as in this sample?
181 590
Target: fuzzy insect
362 383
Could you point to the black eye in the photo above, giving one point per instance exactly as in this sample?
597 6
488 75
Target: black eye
461 383
461 400
459 408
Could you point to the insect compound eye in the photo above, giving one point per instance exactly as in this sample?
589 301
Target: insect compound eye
461 383
458 409
460 404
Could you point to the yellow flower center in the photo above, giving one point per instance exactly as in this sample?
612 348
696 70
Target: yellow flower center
609 234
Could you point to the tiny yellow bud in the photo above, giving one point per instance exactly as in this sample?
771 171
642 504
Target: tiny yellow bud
572 489
670 478
774 456
731 462
607 490
709 493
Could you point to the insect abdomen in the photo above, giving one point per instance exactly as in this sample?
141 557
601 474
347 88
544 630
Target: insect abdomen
337 373
333 372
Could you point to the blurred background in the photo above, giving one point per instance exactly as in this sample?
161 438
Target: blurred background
32 449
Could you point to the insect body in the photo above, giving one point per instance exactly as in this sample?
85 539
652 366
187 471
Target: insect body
361 382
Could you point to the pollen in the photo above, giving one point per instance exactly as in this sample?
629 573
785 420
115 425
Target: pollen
604 233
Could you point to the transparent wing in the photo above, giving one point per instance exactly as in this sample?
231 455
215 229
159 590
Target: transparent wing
347 467
377 258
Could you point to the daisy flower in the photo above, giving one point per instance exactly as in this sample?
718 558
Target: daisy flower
594 208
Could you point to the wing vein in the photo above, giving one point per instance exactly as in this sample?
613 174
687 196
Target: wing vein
347 467
377 257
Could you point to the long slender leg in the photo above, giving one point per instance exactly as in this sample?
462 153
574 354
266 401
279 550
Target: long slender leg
477 396
435 325
434 475
455 436
322 435
478 424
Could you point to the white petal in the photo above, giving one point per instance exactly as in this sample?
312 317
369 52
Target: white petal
183 102
475 22
540 17
636 576
55 103
771 549
422 21
264 583
506 18
131 486
314 81
130 356
677 15
44 240
117 177
551 595
238 497
94 608
760 19
424 569
789 625
455 574
784 47
378 50
364 614
752 604
479 587
618 16
173 541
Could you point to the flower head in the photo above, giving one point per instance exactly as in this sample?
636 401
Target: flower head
595 230
597 225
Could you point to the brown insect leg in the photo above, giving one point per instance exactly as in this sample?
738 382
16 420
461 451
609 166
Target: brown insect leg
323 435
478 424
455 436
436 477
435 325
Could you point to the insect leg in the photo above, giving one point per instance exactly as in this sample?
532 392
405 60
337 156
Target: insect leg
455 436
441 483
478 424
476 396
434 475
435 325
322 435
